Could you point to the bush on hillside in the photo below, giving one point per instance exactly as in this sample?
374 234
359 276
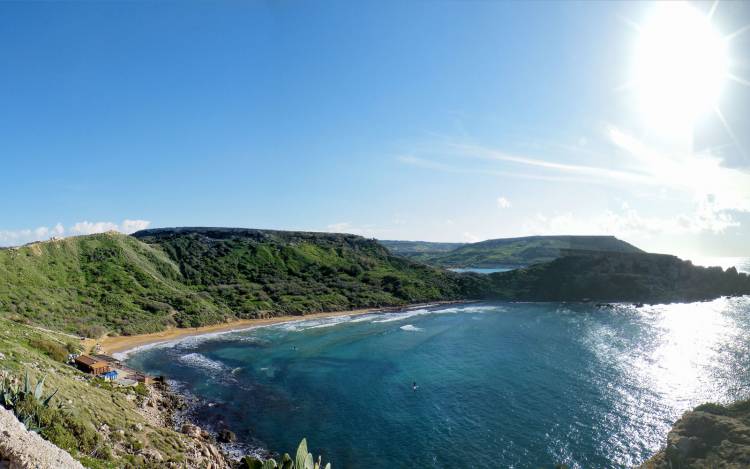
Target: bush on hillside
94 332
54 350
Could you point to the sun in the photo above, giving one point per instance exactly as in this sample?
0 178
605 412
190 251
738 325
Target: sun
679 67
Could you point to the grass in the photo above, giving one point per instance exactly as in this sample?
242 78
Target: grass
89 406
117 284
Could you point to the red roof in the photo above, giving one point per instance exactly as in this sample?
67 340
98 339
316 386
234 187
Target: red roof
88 361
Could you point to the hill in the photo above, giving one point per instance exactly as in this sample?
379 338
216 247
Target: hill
260 272
505 251
419 250
191 277
616 277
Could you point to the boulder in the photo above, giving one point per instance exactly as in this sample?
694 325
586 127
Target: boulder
191 430
227 436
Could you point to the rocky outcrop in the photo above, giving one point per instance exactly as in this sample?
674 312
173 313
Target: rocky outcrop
616 277
710 436
199 448
21 449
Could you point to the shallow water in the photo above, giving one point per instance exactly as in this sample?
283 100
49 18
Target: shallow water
499 385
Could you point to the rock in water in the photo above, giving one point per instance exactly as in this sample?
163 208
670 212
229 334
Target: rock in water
227 436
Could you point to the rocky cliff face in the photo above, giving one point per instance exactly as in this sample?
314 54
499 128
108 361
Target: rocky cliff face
21 449
711 436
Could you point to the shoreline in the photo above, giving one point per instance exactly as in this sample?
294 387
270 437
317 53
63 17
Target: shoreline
127 344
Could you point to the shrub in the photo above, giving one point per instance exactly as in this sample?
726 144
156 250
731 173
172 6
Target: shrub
141 389
95 332
712 408
54 350
29 406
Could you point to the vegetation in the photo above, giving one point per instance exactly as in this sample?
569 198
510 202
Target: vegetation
636 277
302 460
190 277
187 277
420 250
28 406
97 423
505 252
254 273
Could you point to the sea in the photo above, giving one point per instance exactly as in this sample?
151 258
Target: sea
481 385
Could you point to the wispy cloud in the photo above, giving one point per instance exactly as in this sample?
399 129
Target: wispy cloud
370 231
631 163
502 203
87 227
23 236
630 223
487 153
427 163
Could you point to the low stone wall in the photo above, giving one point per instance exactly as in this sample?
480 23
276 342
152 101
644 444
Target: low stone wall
22 449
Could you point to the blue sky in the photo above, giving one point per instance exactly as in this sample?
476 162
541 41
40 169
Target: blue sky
445 121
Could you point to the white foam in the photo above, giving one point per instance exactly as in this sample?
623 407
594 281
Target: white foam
390 317
185 340
410 328
296 325
305 324
199 360
400 316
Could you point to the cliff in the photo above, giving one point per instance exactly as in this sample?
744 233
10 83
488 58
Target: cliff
710 436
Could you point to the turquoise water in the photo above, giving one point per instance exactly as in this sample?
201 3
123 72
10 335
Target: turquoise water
499 385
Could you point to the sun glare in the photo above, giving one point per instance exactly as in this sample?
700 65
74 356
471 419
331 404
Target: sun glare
679 69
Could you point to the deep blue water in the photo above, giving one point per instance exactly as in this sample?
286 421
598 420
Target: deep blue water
500 385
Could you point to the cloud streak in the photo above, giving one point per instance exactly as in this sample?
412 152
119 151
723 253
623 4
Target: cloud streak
41 233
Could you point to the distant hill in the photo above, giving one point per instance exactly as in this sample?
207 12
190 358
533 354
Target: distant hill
616 277
421 251
505 251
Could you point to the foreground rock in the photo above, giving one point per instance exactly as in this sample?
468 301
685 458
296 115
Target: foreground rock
20 448
160 407
710 436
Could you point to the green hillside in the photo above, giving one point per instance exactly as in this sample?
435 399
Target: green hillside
505 251
419 250
187 277
617 277
110 280
260 272
101 425
192 277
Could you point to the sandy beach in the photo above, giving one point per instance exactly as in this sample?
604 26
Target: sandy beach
122 344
